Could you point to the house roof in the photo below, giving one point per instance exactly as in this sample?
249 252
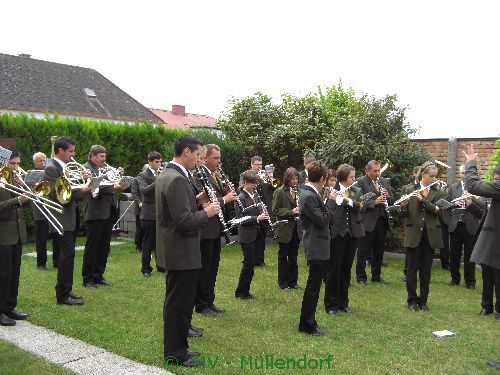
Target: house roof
31 85
179 119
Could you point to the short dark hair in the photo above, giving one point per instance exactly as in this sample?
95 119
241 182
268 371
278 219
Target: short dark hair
154 155
343 171
62 142
370 165
331 173
184 141
316 170
250 177
96 149
15 153
255 158
308 159
496 171
288 175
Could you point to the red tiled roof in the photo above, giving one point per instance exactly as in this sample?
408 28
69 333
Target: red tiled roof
188 120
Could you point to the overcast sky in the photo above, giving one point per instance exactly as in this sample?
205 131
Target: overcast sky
440 57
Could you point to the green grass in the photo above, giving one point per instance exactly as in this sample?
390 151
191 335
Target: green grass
14 361
381 337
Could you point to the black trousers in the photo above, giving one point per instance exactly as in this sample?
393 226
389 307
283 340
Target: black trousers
342 251
374 241
210 258
491 285
97 249
65 264
247 269
288 270
419 260
260 248
42 235
138 232
178 311
460 238
444 253
148 229
10 269
311 295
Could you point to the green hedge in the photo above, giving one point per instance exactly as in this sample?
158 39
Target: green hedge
127 145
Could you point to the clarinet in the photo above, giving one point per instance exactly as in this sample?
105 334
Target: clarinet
213 199
259 201
230 185
296 190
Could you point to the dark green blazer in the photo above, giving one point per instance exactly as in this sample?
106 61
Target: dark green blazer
344 218
471 216
487 247
12 226
418 215
283 204
100 207
248 231
178 221
147 186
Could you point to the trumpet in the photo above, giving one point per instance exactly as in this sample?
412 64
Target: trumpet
274 182
408 196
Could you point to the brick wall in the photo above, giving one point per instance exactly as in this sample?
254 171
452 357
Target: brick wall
438 148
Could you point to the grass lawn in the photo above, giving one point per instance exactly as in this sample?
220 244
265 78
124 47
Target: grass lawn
381 337
14 361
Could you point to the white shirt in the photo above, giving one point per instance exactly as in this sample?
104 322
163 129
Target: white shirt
316 190
183 169
60 162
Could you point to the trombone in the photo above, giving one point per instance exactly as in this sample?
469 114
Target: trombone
37 197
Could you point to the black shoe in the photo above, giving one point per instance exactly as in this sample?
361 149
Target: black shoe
102 282
314 332
403 279
146 274
6 321
381 281
216 309
471 287
89 284
494 364
413 307
453 283
497 316
207 311
424 307
263 264
333 312
361 283
190 363
244 296
348 310
294 286
16 315
284 287
42 268
486 311
194 354
160 269
70 301
197 329
138 249
75 296
193 333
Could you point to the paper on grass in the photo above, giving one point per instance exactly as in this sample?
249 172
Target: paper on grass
443 333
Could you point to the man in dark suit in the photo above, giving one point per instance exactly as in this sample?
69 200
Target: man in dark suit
64 149
147 185
178 227
316 239
41 222
136 196
210 245
12 237
375 222
463 226
289 235
100 214
308 159
486 250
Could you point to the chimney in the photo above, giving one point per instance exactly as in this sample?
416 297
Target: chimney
178 110
25 55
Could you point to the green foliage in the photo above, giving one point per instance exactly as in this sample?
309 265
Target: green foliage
495 160
334 123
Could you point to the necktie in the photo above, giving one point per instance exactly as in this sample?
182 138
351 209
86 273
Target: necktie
346 194
294 195
425 193
377 187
